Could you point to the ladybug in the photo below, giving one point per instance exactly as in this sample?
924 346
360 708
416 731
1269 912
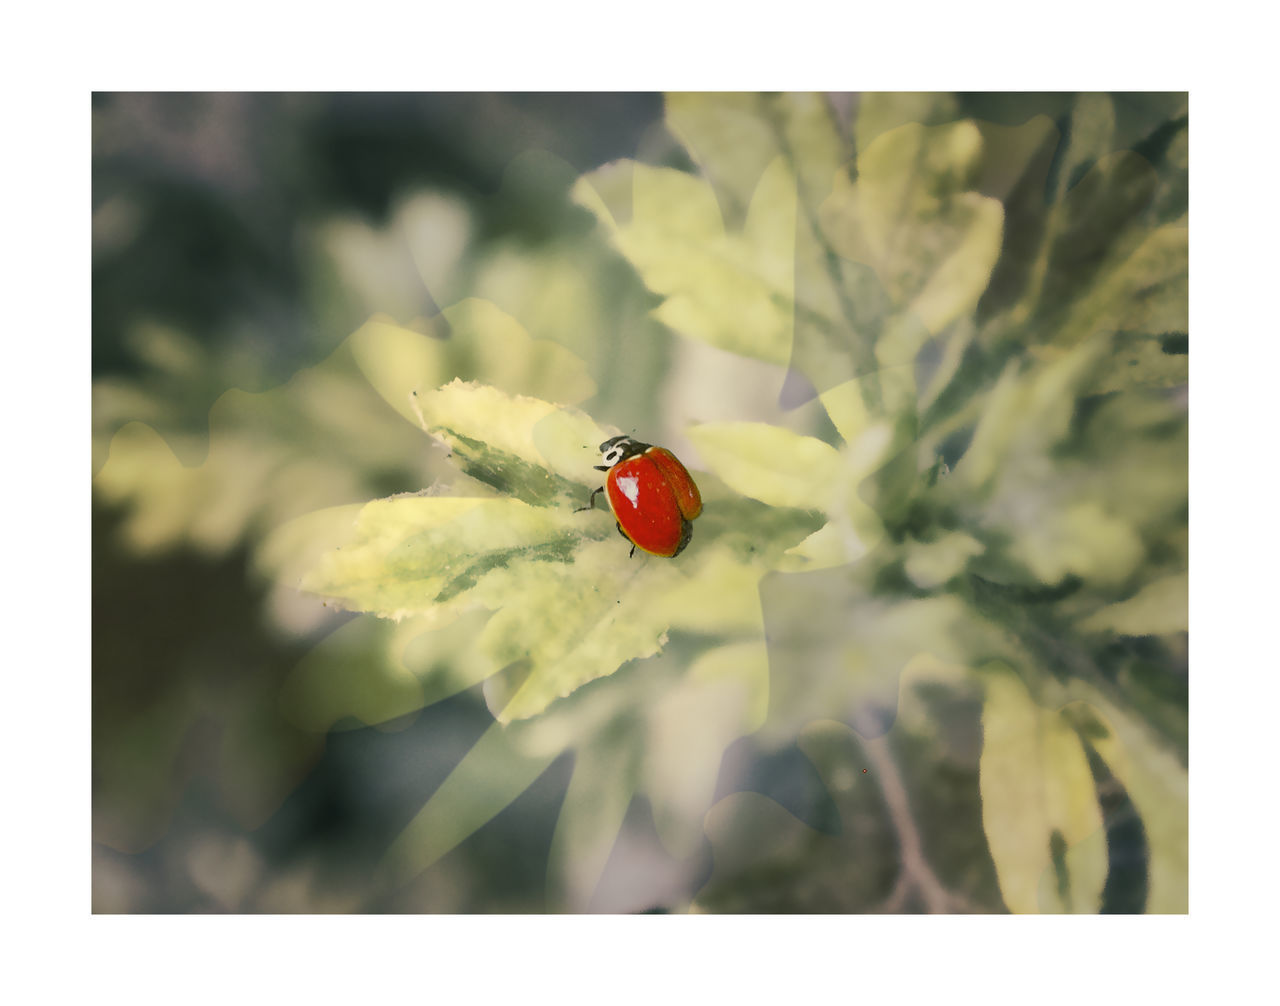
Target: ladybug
653 497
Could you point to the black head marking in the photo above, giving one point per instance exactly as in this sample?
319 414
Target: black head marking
617 449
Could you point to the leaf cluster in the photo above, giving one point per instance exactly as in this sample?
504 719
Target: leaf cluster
966 568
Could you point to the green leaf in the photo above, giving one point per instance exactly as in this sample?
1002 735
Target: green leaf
1089 234
883 837
1036 784
783 468
411 553
569 625
1146 293
1158 608
730 289
322 439
932 564
658 728
600 791
879 112
733 137
1143 362
911 216
569 606
1027 412
906 244
489 777
371 671
729 137
472 340
1156 781
1082 539
519 446
770 463
1090 137
1071 488
838 643
723 696
404 266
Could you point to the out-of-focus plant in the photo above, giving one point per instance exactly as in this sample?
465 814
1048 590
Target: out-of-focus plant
967 576
178 492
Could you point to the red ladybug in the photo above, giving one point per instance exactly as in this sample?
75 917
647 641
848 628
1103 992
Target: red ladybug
653 497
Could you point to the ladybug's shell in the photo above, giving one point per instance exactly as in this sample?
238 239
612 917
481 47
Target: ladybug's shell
653 498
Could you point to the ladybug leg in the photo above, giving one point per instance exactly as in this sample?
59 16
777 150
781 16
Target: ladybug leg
625 538
591 502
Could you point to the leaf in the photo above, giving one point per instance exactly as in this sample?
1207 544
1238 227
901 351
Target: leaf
1015 157
600 791
910 216
474 340
771 464
489 777
1095 227
1133 458
723 696
883 833
1036 784
291 550
138 464
733 137
413 262
1144 362
879 112
1071 487
1027 412
1158 608
836 543
566 626
657 728
732 290
322 439
1081 539
1091 136
577 623
1072 867
932 564
371 671
1146 293
729 138
907 242
783 468
408 551
564 291
569 607
517 445
1156 781
838 646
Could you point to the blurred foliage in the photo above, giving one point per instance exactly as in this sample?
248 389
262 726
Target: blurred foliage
927 357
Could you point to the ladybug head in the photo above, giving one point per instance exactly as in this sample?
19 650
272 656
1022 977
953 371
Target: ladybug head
617 449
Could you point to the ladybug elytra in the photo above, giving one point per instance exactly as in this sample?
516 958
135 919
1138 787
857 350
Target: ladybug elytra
653 497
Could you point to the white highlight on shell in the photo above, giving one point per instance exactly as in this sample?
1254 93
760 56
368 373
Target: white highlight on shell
630 486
